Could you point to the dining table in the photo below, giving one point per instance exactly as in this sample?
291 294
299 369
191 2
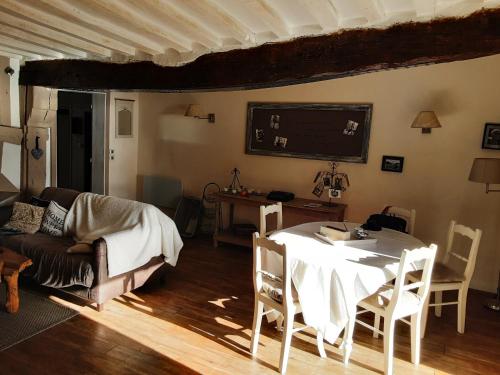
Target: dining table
331 279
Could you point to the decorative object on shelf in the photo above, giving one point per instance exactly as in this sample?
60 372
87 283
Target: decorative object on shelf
196 111
280 196
392 163
338 132
235 186
426 120
487 171
37 152
491 136
336 182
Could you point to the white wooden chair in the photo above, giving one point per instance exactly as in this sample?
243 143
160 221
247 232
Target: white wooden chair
399 301
445 278
409 215
278 293
276 208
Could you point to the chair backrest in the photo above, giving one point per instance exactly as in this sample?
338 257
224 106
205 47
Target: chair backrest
261 244
470 260
412 260
276 208
409 215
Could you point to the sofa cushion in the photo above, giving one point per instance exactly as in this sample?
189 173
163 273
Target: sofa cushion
25 218
53 220
52 266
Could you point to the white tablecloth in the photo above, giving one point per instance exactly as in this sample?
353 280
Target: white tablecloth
331 280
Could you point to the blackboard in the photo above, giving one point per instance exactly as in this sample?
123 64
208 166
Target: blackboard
337 132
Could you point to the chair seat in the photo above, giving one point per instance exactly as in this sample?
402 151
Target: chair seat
441 274
380 300
273 289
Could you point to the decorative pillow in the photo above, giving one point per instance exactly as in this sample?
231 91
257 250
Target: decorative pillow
53 220
25 218
36 201
80 248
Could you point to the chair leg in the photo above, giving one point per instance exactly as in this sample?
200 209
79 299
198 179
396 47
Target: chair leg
279 322
257 321
438 299
376 325
320 344
462 307
285 342
415 338
388 346
425 310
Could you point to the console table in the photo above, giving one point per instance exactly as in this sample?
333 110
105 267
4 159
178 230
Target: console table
326 212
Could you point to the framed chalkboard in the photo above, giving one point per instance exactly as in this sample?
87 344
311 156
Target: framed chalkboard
337 132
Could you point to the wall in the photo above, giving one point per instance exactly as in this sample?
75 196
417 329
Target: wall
435 179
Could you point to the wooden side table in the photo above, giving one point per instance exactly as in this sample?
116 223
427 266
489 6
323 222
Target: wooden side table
13 264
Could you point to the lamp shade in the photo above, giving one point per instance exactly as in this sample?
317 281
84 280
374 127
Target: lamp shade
426 120
194 110
485 170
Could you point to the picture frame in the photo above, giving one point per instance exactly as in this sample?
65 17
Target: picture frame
124 118
491 136
318 131
392 163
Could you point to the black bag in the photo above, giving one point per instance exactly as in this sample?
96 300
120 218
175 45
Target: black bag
378 221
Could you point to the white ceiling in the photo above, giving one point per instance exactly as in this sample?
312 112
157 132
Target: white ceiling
173 32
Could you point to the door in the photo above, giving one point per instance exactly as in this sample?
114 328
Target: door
123 144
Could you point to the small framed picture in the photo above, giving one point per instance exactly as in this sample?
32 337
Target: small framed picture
392 163
491 136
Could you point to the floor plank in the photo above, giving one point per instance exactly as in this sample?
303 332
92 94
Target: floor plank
200 320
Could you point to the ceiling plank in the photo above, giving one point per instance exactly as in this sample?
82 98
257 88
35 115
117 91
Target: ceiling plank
17 51
323 11
42 51
32 38
271 18
64 38
177 26
69 27
215 12
300 60
95 20
11 55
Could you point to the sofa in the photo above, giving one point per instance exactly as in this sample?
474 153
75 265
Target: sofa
82 275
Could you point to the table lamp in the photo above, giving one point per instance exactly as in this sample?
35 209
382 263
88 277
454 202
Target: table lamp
487 171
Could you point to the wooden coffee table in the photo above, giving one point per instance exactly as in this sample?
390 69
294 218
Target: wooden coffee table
13 264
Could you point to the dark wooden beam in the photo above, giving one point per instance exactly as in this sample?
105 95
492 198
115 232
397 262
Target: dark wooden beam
301 60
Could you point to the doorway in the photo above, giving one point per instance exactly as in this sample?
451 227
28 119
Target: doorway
80 141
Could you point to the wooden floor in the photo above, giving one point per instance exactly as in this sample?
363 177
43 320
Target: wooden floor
200 322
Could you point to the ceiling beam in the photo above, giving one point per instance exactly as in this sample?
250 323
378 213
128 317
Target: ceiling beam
11 55
69 27
61 37
32 38
271 18
297 61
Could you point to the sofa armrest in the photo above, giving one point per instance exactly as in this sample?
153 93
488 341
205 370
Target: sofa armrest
100 261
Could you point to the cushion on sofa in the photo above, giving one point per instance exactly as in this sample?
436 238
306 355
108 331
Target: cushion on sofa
25 218
36 201
53 220
52 265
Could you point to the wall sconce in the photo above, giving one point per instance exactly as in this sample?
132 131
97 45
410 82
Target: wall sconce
486 171
195 110
426 120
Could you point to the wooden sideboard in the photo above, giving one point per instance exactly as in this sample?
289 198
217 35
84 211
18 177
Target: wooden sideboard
326 212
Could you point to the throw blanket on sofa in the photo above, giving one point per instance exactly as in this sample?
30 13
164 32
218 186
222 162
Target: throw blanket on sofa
134 232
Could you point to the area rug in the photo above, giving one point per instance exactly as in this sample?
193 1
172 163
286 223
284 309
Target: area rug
36 314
